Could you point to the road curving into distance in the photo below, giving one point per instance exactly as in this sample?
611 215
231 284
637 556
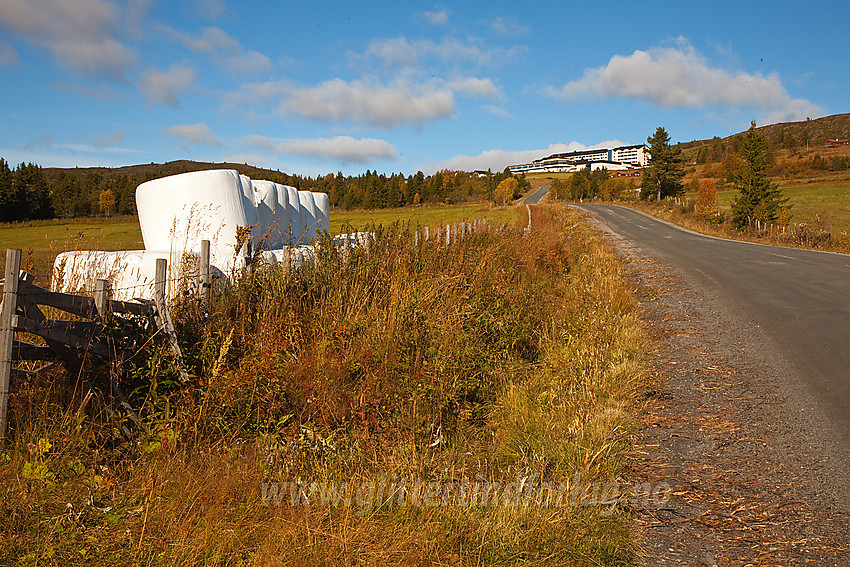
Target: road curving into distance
799 298
536 196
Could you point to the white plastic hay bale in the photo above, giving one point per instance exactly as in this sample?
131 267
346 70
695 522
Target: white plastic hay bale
355 239
282 229
303 255
265 199
131 273
323 212
176 213
294 214
308 217
250 204
296 257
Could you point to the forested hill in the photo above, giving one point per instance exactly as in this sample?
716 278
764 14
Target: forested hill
30 192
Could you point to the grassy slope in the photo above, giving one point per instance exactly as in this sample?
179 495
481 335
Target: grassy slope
503 357
826 201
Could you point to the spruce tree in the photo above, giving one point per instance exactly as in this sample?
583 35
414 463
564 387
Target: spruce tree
7 212
662 177
759 197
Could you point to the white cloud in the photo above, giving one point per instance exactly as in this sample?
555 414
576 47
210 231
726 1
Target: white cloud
225 50
497 111
452 49
505 26
794 110
498 160
198 133
475 87
8 54
256 93
396 51
341 148
108 141
162 87
213 41
248 62
400 51
381 106
676 77
437 17
82 34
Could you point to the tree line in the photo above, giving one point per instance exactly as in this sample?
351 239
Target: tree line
30 192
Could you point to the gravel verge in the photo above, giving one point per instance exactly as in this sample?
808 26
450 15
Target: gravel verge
723 427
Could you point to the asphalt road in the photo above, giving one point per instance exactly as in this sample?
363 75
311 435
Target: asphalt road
800 298
535 197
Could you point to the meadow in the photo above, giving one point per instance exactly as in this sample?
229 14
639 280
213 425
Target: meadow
41 241
825 201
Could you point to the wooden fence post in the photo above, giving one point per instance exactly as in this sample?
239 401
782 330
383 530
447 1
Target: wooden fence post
205 274
101 300
160 296
7 330
287 261
160 281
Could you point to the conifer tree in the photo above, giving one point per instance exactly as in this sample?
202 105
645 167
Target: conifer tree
662 177
759 197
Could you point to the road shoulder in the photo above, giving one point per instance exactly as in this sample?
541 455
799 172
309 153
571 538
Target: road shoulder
720 432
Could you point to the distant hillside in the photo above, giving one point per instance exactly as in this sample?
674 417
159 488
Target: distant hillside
87 191
810 133
157 170
816 132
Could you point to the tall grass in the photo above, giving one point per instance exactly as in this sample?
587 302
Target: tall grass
413 369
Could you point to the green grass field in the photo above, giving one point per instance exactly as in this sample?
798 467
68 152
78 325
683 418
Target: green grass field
41 241
811 201
430 215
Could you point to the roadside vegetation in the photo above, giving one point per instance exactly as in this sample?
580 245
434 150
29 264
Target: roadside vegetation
504 359
759 185
766 196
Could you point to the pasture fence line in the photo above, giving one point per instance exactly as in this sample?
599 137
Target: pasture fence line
104 328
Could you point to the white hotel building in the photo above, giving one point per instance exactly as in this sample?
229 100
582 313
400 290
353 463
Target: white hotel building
612 159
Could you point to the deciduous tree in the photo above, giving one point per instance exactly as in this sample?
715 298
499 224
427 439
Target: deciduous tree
505 191
106 202
706 198
559 189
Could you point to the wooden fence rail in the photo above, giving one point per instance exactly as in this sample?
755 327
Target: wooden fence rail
70 341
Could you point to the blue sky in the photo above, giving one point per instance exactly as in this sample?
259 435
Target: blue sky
318 87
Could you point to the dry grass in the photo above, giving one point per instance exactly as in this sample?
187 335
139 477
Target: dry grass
815 234
503 358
